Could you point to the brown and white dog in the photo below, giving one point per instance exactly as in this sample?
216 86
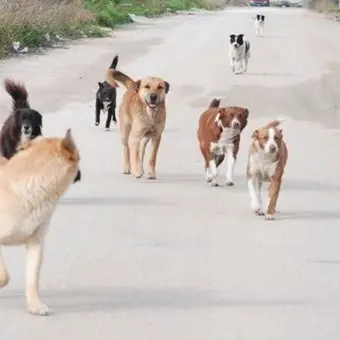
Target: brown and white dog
266 163
219 134
142 116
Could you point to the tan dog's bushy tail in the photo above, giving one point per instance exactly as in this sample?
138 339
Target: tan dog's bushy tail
18 93
273 124
215 103
112 76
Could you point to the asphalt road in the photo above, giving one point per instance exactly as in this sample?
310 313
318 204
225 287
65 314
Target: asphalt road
177 259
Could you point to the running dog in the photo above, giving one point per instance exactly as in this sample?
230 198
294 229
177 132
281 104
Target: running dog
219 135
259 24
31 185
106 99
239 53
22 124
142 116
267 159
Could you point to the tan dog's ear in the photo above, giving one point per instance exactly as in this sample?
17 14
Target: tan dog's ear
137 85
68 142
255 134
167 87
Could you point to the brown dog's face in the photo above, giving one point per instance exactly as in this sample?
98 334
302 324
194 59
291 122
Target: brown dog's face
152 91
233 117
269 140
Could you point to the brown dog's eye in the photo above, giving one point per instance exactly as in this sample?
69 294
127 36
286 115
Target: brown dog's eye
147 87
265 138
276 138
159 87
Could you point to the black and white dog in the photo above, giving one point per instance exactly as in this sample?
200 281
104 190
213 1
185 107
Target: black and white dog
23 124
239 53
106 99
259 24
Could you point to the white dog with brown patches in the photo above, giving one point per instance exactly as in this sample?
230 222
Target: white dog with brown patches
266 163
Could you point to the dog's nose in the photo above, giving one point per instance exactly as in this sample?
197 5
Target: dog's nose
78 177
272 148
236 125
26 127
153 97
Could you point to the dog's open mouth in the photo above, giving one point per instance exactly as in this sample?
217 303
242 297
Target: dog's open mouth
152 106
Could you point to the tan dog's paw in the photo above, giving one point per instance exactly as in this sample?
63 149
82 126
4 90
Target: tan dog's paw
38 308
270 217
126 172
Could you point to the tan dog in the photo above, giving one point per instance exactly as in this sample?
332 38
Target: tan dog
31 184
219 135
142 116
266 163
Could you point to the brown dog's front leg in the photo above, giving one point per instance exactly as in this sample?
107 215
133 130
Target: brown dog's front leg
274 190
134 154
35 248
153 158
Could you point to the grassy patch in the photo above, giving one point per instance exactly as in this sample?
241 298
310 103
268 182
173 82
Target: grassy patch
36 23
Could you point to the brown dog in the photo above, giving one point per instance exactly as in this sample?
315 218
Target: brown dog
266 163
142 116
219 134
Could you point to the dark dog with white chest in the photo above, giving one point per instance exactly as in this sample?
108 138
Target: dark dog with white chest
106 99
22 125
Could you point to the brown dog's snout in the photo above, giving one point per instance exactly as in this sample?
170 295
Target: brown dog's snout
272 148
153 97
78 176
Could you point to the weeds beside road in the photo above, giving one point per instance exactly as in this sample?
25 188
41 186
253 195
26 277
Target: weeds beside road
36 23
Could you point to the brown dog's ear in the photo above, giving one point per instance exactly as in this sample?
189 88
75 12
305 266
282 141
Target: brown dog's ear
255 134
246 113
68 142
167 87
137 85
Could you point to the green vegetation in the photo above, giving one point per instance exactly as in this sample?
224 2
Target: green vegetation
36 23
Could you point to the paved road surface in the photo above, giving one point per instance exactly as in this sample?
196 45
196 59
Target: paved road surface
176 259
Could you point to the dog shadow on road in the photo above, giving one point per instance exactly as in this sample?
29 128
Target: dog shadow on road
92 299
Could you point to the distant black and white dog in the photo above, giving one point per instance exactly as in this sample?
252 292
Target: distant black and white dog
239 53
106 99
23 123
259 24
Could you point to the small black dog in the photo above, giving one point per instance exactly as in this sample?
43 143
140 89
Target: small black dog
106 99
22 124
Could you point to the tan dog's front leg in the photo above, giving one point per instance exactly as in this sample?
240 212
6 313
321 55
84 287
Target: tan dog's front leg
4 276
33 267
274 190
153 158
134 143
142 148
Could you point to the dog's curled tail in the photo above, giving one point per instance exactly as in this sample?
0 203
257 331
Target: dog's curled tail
114 62
274 123
215 103
18 93
114 76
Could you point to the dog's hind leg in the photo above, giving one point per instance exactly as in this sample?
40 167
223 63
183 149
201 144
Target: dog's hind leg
98 108
4 276
35 249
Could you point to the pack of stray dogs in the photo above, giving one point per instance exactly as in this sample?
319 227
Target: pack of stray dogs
30 186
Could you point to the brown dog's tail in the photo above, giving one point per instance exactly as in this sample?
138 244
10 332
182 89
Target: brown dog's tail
112 76
215 103
273 124
18 93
